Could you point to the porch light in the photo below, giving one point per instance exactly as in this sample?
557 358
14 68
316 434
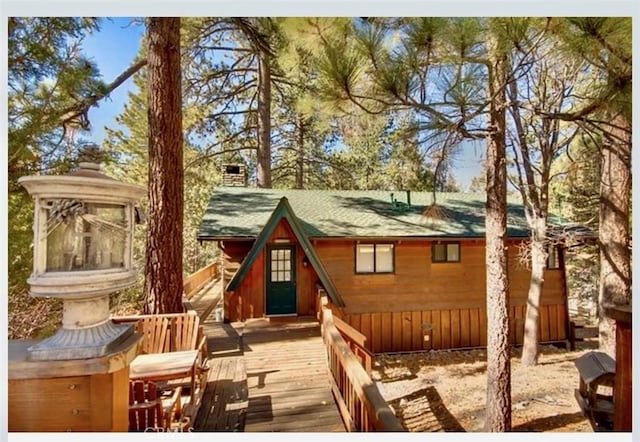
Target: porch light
83 235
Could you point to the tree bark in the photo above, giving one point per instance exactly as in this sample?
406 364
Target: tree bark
614 238
300 154
538 265
264 120
163 271
498 347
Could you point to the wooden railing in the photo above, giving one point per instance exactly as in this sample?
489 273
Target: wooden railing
356 342
361 405
194 282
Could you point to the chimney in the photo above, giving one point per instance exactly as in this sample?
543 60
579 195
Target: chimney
233 175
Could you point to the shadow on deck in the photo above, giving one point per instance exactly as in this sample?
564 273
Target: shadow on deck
273 378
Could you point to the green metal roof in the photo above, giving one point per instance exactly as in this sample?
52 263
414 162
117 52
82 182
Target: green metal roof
283 211
243 212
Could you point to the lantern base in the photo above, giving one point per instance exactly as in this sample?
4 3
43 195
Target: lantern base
83 343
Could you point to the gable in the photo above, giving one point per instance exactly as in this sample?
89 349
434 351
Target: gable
282 212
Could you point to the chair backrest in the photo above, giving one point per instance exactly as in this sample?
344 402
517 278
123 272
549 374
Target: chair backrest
184 332
145 407
154 328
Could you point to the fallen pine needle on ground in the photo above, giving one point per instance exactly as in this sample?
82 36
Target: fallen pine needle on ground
446 390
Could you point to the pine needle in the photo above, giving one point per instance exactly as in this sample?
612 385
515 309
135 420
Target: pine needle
436 212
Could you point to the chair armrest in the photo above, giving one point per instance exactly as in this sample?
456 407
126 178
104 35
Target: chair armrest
203 353
172 407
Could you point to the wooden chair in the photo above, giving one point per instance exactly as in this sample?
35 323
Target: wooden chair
175 332
186 333
154 328
149 411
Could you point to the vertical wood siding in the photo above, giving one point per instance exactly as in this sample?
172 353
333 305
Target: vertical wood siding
445 329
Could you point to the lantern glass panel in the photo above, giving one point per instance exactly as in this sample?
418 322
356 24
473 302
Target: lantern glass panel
90 237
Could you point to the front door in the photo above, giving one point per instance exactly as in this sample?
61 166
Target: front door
281 280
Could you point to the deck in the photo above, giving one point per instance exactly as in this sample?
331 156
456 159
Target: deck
274 378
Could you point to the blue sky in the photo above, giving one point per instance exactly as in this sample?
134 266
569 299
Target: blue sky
115 47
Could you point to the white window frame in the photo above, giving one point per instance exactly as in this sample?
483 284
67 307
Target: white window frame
375 264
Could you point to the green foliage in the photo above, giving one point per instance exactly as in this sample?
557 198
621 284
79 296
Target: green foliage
47 74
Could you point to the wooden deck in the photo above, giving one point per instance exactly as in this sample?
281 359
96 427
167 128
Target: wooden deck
206 299
274 378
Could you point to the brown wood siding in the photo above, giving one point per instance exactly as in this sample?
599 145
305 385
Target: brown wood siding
248 301
421 306
449 298
445 329
233 252
419 284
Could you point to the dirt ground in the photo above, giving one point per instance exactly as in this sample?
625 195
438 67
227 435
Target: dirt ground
446 390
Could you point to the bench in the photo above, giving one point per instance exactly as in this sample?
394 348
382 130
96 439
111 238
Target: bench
597 372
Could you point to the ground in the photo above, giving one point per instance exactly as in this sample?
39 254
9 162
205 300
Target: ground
446 390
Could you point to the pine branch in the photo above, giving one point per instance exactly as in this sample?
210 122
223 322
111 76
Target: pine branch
81 108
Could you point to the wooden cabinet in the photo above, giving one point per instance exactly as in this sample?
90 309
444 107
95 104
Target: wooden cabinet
71 395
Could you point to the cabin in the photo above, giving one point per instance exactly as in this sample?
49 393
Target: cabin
407 282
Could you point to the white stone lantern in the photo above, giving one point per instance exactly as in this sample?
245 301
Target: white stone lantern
83 236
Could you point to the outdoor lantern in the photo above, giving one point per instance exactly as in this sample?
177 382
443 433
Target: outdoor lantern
82 251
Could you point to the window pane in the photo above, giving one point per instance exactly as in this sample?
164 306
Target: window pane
274 255
286 276
287 254
274 276
439 253
384 258
453 252
287 265
364 258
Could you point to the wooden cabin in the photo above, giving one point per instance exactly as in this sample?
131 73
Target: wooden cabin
405 281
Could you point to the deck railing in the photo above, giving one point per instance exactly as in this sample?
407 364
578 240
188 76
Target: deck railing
356 342
194 282
360 403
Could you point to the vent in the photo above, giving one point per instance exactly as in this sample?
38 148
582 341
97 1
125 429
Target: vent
234 175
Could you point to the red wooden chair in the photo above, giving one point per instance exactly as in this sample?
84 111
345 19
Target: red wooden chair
149 411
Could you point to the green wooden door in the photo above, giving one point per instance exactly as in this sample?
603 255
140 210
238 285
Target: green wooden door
281 280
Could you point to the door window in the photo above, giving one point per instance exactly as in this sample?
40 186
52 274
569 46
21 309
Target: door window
280 265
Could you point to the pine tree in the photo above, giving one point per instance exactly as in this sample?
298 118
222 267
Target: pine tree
163 270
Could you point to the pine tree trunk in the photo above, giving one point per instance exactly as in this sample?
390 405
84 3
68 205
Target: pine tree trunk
163 271
615 255
300 154
498 347
264 121
538 265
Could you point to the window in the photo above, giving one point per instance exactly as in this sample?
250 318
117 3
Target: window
280 265
445 252
374 258
553 261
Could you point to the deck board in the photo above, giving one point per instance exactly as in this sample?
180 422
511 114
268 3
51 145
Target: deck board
273 379
287 378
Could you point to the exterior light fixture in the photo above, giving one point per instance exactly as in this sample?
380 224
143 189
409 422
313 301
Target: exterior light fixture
83 237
